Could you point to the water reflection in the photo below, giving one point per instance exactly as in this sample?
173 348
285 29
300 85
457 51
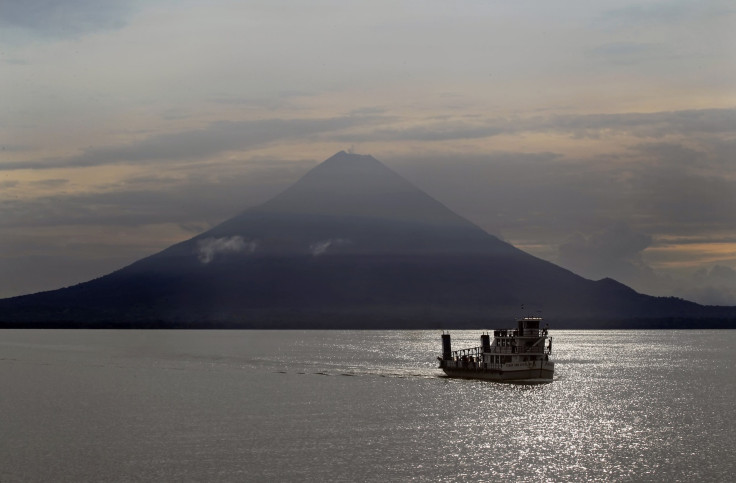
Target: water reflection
624 405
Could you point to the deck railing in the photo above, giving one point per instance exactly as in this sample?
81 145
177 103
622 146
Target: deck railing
476 352
471 352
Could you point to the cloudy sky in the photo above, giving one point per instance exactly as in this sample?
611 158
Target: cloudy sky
597 135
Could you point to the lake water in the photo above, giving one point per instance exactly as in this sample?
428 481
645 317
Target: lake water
354 405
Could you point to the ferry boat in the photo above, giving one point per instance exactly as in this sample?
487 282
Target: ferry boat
520 355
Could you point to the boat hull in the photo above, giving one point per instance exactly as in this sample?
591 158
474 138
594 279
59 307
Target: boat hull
533 375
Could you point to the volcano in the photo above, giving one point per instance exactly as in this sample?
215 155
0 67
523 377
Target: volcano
350 245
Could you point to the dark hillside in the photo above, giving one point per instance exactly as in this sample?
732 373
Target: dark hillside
350 245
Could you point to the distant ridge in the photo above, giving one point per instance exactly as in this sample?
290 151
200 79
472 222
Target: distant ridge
350 245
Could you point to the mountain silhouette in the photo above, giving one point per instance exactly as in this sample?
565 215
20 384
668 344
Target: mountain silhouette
351 245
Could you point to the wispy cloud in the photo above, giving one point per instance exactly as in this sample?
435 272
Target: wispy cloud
64 19
628 53
210 247
667 13
50 183
438 131
226 136
199 144
320 247
203 196
14 148
654 124
595 126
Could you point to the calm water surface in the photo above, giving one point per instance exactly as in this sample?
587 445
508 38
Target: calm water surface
354 405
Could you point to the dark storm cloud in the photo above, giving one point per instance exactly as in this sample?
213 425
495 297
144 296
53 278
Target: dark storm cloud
66 18
517 191
664 198
614 252
713 286
216 138
617 252
540 192
504 191
693 187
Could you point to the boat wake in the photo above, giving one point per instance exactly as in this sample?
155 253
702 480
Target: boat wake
367 373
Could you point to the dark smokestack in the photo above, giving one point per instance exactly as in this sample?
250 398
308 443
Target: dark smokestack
485 342
446 347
